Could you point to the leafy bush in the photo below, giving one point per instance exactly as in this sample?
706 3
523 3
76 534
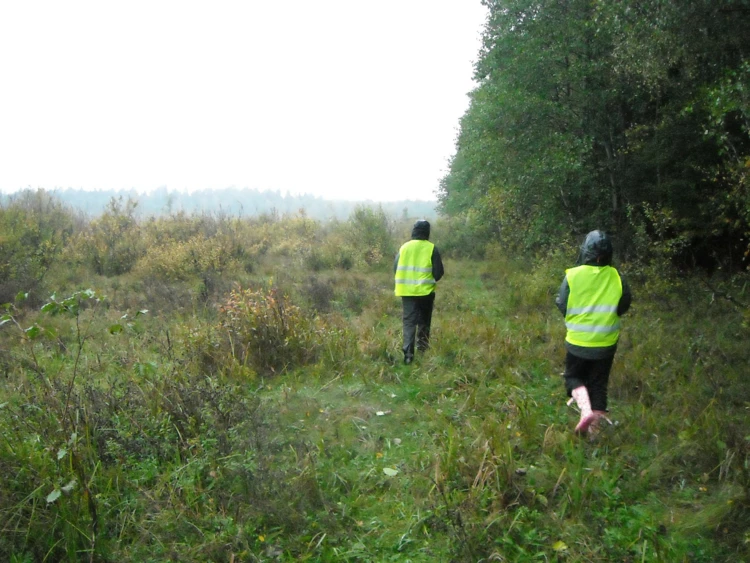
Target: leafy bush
464 236
263 330
369 234
113 242
659 236
181 261
336 251
292 236
34 229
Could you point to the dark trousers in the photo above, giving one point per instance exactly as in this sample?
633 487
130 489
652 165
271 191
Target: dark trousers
417 319
593 374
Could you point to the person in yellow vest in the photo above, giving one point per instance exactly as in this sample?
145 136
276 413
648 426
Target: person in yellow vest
592 299
417 267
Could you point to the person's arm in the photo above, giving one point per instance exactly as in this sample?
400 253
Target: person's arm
395 262
437 265
626 299
562 296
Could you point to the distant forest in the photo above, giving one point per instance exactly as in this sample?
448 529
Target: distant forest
242 202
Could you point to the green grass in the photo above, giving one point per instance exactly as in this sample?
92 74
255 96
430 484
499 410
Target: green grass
467 455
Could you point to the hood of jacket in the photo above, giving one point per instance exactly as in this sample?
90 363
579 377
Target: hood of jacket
421 230
596 250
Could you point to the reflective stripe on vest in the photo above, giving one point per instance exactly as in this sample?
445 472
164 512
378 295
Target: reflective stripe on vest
591 316
414 269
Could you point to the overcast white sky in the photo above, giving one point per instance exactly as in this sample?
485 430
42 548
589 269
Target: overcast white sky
345 99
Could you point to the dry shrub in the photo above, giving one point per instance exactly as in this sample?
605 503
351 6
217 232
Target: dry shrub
263 330
181 261
333 252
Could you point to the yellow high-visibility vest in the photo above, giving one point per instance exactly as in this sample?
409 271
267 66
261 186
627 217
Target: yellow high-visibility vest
414 269
591 316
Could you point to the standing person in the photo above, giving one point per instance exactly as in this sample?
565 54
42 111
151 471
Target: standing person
418 268
592 298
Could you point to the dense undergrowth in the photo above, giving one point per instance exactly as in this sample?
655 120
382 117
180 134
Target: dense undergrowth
254 407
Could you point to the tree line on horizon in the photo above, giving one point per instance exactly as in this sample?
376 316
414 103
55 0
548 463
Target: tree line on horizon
231 201
632 117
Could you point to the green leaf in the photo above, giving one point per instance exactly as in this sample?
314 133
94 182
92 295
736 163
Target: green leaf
72 304
390 471
5 319
53 496
22 296
559 546
33 331
61 453
116 329
51 307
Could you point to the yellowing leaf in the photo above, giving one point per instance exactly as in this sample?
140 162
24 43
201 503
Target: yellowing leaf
559 546
390 471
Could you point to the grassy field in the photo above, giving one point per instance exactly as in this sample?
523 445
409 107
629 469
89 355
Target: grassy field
273 420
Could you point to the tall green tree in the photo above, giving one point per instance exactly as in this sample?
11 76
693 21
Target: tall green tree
588 113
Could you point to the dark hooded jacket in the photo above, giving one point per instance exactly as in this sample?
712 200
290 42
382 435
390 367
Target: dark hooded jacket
596 250
421 231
